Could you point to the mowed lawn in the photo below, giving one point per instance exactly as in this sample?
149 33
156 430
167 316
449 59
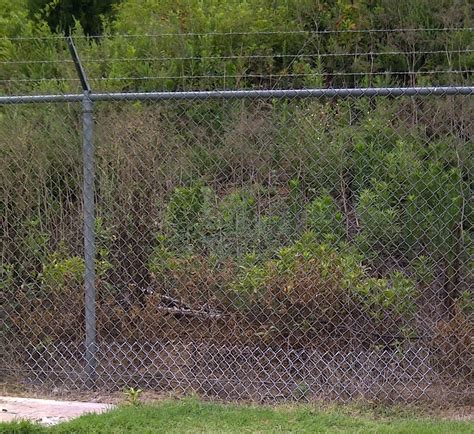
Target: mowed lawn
191 415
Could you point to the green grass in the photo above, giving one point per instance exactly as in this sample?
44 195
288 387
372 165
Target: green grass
190 415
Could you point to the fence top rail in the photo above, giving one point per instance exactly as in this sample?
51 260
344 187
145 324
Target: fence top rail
240 94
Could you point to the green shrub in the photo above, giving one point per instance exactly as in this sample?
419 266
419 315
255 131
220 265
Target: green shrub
379 221
199 55
313 141
234 224
206 59
104 236
316 276
61 15
162 259
197 222
60 272
325 219
394 294
6 278
273 231
433 211
423 268
400 166
184 216
63 271
36 240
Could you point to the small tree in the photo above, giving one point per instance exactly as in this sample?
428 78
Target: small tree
62 14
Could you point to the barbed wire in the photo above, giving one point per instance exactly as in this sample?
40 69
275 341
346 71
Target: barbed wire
34 62
279 56
237 57
279 75
275 78
31 80
263 32
243 76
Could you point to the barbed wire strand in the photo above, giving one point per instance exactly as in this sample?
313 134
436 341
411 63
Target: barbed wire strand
263 32
236 57
243 76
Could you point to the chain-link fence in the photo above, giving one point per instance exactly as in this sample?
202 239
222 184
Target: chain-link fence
257 244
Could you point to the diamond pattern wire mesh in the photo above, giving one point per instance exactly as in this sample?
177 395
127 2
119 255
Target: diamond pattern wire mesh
258 249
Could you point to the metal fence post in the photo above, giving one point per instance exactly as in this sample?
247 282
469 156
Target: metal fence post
89 221
89 241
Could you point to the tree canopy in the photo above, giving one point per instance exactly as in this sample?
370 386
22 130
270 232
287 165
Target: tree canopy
62 15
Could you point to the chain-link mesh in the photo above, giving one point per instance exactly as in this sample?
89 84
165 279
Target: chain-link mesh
256 248
41 218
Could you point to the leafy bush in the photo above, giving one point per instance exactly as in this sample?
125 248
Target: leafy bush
395 294
61 15
185 212
236 221
199 55
373 141
6 278
325 219
379 220
255 197
433 210
197 222
315 279
192 53
313 144
60 272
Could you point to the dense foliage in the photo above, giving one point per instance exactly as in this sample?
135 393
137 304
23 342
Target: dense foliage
303 217
61 15
192 49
